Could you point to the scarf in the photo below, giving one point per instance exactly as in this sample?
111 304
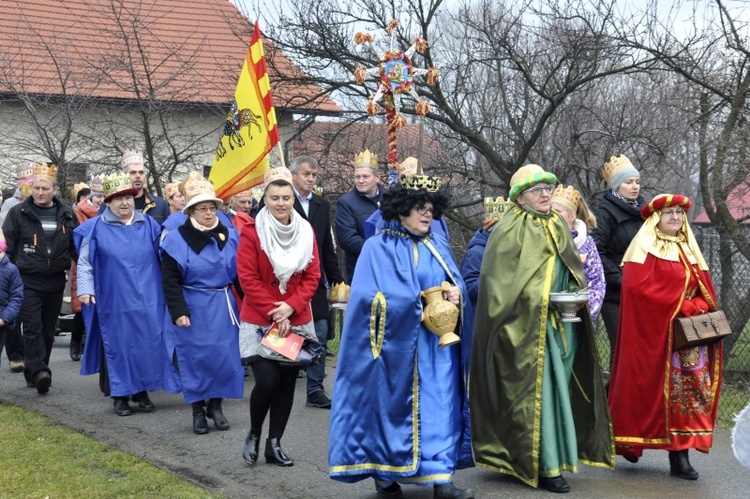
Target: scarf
289 247
633 203
579 232
197 225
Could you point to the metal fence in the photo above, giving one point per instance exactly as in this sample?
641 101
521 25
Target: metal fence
730 273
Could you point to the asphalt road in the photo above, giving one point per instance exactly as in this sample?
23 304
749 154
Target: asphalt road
165 438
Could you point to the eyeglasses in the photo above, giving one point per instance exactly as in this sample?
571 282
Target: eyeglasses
423 210
204 209
676 211
539 189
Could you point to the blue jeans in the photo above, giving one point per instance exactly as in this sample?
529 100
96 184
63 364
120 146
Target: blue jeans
315 373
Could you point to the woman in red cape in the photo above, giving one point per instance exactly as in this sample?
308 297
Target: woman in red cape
660 398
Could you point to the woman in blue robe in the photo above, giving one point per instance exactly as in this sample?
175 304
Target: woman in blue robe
400 411
119 285
201 330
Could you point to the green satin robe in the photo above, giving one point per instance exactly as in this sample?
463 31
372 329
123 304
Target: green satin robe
512 322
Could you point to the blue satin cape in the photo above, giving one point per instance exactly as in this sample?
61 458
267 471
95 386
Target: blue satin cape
400 410
129 312
207 352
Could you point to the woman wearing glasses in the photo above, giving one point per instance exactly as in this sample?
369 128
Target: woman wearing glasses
201 333
537 398
661 398
400 414
618 219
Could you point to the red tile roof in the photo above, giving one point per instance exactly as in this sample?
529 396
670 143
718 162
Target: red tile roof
194 51
738 203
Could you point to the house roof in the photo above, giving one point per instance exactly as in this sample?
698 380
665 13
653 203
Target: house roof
738 203
190 50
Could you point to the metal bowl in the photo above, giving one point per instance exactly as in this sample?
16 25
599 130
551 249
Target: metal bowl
568 303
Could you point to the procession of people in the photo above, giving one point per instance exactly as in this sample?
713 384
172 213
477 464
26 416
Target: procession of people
440 367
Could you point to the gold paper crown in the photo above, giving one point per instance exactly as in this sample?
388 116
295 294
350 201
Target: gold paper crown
45 172
614 165
495 208
280 173
426 182
118 182
25 170
568 197
366 159
171 189
130 158
77 187
97 184
339 293
199 186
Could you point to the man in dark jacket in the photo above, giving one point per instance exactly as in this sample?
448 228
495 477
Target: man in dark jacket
39 235
145 202
317 211
355 207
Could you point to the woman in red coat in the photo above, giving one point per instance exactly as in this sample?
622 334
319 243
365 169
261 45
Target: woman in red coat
661 398
279 270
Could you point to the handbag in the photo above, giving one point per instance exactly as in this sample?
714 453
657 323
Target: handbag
311 352
702 329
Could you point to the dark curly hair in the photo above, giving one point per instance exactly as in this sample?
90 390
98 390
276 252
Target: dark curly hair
398 201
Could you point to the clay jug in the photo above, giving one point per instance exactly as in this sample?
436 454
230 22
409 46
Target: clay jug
439 315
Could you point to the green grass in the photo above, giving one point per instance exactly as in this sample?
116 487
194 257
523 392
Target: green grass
42 459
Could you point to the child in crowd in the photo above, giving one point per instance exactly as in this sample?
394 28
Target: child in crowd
11 293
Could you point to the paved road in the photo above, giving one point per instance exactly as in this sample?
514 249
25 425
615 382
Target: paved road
214 460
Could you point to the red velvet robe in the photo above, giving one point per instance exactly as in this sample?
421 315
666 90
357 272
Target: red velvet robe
660 399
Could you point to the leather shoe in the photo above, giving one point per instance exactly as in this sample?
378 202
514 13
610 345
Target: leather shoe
319 399
42 382
274 454
200 425
121 406
214 412
75 350
144 403
679 465
631 459
554 484
252 447
449 491
392 489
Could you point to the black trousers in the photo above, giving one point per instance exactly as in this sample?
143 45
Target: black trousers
11 339
42 301
611 316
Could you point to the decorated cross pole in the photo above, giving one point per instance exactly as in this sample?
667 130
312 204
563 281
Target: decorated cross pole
394 75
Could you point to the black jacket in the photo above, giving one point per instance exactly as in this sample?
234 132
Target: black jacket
617 223
27 246
352 210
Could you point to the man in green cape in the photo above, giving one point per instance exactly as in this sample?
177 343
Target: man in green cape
536 395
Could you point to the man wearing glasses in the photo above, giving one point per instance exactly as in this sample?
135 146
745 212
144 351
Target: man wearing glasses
539 374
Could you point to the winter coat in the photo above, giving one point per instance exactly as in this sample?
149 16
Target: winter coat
27 246
352 210
617 224
472 263
11 293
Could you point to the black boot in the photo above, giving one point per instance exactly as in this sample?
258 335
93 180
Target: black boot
275 455
121 406
554 484
200 425
679 465
252 446
76 348
214 412
449 491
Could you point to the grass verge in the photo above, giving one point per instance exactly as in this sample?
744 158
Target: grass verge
43 459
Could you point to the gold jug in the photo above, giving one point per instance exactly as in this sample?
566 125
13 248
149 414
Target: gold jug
439 315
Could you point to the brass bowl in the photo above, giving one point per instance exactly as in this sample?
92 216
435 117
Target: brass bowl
568 303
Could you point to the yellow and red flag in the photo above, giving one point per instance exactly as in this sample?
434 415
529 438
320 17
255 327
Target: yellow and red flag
250 130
